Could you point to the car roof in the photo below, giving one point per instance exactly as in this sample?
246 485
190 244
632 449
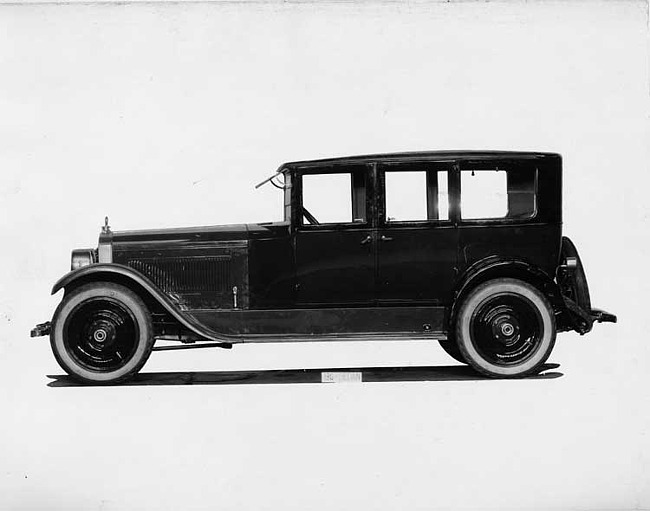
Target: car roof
420 156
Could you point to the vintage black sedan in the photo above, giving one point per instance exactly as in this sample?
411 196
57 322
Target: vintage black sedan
464 248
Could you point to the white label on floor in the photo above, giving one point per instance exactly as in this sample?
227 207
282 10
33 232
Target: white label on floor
341 377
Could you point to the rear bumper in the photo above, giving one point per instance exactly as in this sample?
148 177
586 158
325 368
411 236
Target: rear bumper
602 316
582 320
41 329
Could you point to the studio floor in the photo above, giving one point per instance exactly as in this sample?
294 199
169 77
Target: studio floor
254 428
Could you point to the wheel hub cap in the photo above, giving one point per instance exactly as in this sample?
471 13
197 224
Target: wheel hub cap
102 332
99 335
505 328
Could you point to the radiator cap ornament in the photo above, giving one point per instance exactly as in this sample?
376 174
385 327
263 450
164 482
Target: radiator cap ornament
107 228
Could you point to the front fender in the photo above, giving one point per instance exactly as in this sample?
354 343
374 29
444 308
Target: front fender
139 283
94 270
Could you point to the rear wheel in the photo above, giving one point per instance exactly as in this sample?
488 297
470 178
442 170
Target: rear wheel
506 328
102 333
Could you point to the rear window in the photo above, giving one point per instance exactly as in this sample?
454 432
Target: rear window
496 193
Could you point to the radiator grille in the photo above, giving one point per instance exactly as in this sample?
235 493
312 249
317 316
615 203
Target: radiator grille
187 275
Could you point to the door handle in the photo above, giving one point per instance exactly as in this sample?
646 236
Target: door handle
366 240
386 238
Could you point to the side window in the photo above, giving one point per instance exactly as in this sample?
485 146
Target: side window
334 196
416 195
406 196
494 193
522 193
483 194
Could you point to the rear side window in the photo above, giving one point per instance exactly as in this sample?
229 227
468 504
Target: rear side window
497 193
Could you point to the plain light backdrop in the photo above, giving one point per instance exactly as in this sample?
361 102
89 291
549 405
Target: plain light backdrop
167 114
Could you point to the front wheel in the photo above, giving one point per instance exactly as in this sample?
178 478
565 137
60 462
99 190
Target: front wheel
102 333
506 328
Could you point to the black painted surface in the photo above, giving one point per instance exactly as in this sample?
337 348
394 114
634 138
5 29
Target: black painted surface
364 266
536 244
335 266
271 266
327 321
197 269
416 263
438 156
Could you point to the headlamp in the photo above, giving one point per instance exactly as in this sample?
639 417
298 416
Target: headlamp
82 257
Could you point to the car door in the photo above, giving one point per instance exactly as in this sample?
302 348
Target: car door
417 239
334 249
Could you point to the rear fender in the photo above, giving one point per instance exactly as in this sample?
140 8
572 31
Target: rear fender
140 284
493 268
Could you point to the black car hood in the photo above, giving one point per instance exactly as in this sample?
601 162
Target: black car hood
234 232
189 234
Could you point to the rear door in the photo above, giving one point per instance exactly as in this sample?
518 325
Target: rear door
417 239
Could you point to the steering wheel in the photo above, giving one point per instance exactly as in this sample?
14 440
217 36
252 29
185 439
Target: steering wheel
309 217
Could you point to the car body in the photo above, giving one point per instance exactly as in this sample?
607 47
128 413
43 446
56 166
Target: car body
462 247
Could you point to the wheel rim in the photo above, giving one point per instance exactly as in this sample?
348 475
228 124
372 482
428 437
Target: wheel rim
101 335
507 329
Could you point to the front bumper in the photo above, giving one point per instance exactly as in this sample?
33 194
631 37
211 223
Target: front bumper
41 329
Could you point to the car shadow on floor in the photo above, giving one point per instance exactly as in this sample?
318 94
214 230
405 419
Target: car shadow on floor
283 376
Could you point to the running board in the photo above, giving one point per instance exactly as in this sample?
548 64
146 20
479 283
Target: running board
406 336
361 336
260 325
192 346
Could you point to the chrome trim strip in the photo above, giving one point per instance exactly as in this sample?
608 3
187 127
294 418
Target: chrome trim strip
105 253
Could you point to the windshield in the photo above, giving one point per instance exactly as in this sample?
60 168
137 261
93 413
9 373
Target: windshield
287 197
281 179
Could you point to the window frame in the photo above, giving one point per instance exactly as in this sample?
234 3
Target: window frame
287 197
429 167
335 168
492 165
